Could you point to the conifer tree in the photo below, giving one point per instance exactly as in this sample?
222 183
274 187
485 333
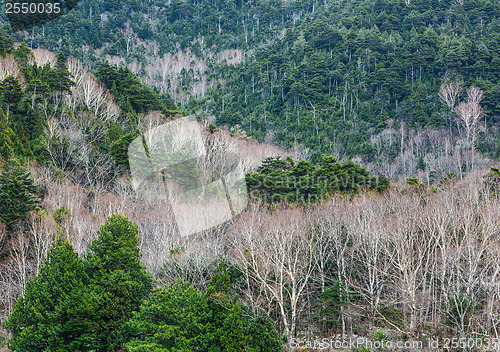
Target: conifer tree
421 164
181 318
18 195
118 280
63 82
12 92
6 44
53 313
6 134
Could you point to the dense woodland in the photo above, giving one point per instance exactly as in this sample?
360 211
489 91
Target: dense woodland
368 132
351 79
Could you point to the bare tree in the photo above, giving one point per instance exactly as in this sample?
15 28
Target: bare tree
77 70
450 93
369 236
92 93
60 148
111 110
408 249
152 119
20 255
44 57
333 244
277 252
9 67
474 95
469 114
43 231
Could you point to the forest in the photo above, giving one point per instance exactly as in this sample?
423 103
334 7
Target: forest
367 132
350 79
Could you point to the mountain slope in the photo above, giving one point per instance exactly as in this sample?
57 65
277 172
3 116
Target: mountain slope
354 79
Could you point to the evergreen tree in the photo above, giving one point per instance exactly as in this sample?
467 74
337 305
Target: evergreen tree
23 55
278 180
6 135
62 82
119 149
6 44
18 195
118 280
229 323
53 313
174 319
12 92
181 318
421 164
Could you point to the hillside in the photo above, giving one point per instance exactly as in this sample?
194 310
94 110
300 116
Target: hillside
261 176
65 149
350 79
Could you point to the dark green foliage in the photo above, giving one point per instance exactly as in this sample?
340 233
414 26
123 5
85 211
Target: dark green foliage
83 305
127 89
61 214
119 149
11 90
6 136
44 80
174 318
421 164
414 182
63 82
53 314
330 303
117 279
180 318
23 55
345 71
492 182
282 180
220 282
18 195
6 44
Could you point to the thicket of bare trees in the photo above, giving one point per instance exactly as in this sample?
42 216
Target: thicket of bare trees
397 151
76 123
9 67
43 57
75 207
410 261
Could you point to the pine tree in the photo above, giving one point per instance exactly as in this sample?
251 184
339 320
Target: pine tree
176 318
6 44
118 280
23 55
12 92
181 318
53 313
6 134
229 323
18 195
63 78
421 164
